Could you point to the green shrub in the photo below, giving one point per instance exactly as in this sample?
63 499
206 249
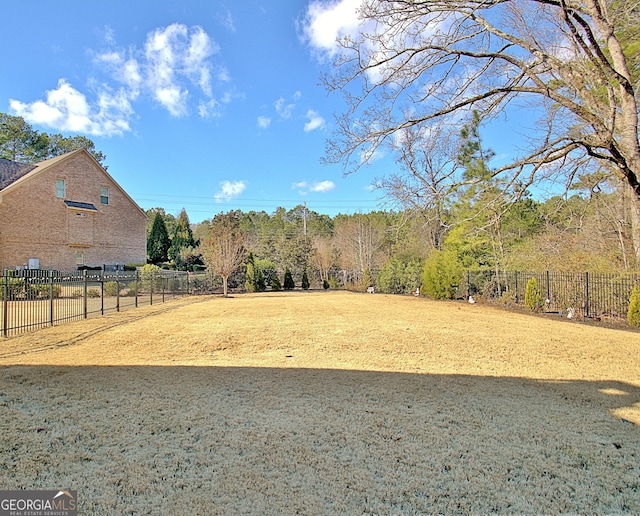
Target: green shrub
93 292
288 280
305 280
441 275
275 283
400 276
633 314
111 288
325 284
533 297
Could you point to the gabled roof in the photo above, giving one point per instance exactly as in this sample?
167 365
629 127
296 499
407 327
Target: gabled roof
30 171
11 171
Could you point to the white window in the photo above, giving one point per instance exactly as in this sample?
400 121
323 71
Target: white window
60 188
79 258
104 195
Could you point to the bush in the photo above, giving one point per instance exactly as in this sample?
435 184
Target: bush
400 276
633 314
533 297
441 275
288 280
305 280
275 283
325 284
93 292
111 288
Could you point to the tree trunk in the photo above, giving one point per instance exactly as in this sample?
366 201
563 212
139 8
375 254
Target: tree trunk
635 225
224 285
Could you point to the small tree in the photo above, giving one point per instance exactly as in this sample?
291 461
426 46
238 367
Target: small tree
158 242
305 280
223 246
288 280
633 315
533 297
367 280
250 283
275 283
441 275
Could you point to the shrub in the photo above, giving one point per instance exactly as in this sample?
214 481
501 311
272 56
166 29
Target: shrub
288 280
633 314
93 292
305 280
533 297
275 283
441 275
400 276
325 284
111 288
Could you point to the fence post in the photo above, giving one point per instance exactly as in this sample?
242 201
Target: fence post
5 304
136 287
51 298
102 293
117 290
517 292
548 287
86 281
586 294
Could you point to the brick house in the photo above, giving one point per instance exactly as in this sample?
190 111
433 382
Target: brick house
67 212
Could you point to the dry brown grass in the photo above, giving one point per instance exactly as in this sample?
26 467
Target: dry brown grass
324 403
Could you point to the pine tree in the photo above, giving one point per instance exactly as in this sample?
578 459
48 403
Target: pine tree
158 242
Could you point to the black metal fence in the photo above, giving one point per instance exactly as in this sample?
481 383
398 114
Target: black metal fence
589 295
36 299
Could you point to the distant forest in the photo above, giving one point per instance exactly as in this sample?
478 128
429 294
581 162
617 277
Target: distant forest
587 228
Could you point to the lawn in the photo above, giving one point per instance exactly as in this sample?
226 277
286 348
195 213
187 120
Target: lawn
324 403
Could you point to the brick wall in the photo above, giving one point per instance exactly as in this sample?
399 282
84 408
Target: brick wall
34 223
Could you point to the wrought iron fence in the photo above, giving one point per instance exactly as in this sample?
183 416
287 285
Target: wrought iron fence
590 295
36 299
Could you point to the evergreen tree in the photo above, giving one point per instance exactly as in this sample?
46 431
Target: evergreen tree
250 283
305 280
275 283
532 296
182 236
288 280
633 315
158 242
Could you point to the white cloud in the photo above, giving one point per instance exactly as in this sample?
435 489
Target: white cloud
264 122
230 190
174 67
315 121
67 109
305 187
326 22
323 187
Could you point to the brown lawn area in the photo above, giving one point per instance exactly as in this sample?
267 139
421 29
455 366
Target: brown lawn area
324 403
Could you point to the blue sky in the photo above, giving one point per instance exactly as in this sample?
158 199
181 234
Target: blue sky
209 106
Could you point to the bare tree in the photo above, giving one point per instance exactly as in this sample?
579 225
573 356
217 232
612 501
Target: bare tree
223 246
415 62
361 241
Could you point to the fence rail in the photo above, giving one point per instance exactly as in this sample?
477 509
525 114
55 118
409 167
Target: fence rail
589 295
36 299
